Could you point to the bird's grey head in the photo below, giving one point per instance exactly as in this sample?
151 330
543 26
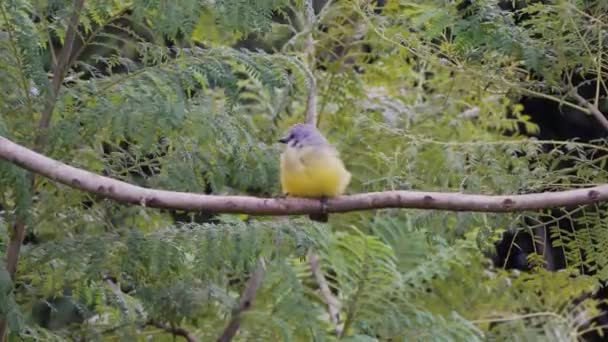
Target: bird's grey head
300 135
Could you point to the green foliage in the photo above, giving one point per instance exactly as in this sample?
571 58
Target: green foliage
163 94
247 16
8 306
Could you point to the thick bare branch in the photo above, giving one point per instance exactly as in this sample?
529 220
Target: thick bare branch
333 305
247 298
128 193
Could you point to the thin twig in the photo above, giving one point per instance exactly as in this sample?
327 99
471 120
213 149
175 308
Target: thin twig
309 48
309 52
593 110
333 305
12 253
59 71
509 318
245 303
14 246
86 42
311 103
177 331
16 239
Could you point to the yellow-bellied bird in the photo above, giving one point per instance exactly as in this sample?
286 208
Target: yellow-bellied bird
311 167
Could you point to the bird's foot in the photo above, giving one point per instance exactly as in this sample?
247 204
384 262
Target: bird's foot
324 205
323 216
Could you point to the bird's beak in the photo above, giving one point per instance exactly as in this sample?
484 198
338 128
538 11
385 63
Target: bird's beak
284 140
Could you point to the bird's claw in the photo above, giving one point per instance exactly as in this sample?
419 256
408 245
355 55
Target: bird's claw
324 205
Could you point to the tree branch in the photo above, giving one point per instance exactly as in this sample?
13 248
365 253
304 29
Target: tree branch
333 305
128 193
309 52
311 103
14 246
13 249
177 331
59 70
247 298
599 116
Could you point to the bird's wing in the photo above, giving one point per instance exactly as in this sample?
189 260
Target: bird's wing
311 154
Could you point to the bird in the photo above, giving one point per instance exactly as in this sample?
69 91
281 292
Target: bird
311 167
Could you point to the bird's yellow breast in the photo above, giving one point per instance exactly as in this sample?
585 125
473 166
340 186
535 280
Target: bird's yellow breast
313 172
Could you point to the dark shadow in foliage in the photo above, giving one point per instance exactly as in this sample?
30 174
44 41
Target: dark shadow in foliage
560 123
57 313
